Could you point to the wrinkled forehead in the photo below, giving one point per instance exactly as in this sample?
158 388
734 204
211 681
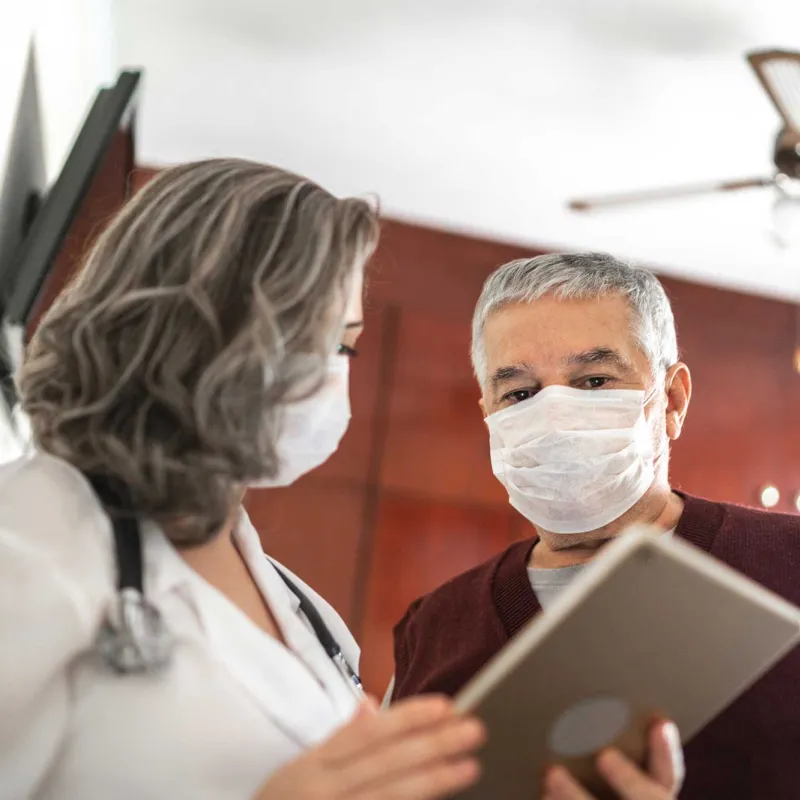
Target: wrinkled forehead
550 332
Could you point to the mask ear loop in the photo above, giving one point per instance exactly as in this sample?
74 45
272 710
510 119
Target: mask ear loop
661 378
647 399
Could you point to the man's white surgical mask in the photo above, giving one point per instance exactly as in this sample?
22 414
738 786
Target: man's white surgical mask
313 427
573 460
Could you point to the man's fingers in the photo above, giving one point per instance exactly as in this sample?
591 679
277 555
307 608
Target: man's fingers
560 785
666 756
626 778
368 730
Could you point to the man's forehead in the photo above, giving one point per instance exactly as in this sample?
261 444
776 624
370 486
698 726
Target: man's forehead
554 332
562 321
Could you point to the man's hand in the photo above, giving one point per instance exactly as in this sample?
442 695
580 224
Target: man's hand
661 782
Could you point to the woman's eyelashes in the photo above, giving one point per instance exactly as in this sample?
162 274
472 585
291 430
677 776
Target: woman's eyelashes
346 350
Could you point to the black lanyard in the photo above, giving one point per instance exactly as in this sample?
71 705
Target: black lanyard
134 637
322 632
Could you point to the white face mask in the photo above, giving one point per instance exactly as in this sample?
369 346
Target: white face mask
573 460
313 427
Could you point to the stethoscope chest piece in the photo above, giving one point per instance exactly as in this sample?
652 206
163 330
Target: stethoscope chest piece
133 637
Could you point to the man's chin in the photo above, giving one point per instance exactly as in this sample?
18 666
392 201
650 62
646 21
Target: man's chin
568 541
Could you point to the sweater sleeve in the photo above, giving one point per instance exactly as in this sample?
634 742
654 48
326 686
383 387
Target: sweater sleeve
41 630
403 651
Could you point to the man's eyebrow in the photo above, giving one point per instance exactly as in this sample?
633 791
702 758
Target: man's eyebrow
351 325
509 373
600 355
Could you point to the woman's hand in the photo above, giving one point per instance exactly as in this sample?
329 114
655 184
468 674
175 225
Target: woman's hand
662 781
420 749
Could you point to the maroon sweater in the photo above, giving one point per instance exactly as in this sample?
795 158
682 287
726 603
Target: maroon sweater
749 752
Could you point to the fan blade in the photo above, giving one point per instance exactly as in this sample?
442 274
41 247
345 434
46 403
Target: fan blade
653 195
779 73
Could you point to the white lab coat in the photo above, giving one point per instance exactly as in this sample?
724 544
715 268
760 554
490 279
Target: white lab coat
232 706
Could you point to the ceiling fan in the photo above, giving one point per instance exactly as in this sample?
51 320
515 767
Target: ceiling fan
779 74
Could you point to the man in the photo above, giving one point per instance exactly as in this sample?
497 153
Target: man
577 360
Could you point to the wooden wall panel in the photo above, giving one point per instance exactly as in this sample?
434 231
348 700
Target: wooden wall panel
437 444
742 419
420 544
789 458
434 271
314 527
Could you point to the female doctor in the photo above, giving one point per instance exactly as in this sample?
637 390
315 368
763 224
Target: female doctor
149 648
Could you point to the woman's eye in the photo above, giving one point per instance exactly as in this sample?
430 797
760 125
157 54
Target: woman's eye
518 396
346 350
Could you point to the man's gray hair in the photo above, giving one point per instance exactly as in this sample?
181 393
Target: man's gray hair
581 276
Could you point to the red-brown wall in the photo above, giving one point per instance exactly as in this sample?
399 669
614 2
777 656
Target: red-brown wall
409 499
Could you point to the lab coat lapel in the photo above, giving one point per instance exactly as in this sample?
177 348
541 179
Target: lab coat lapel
276 680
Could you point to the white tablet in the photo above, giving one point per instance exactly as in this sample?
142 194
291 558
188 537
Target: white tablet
653 628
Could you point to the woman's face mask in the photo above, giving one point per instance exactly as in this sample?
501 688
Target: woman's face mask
313 427
573 460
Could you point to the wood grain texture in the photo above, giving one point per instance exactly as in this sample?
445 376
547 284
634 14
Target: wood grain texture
420 544
314 527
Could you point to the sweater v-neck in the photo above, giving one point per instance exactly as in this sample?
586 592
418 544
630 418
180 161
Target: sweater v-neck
512 594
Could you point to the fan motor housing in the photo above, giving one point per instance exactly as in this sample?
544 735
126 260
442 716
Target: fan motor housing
787 153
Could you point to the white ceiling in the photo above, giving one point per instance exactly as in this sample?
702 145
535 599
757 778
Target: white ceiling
486 116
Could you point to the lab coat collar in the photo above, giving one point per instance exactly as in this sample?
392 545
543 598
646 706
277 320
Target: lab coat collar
288 688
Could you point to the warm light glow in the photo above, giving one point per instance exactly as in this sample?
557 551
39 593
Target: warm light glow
770 496
797 501
797 358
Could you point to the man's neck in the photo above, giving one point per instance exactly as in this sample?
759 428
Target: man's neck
553 551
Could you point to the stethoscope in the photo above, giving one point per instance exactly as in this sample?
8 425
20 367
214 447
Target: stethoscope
134 639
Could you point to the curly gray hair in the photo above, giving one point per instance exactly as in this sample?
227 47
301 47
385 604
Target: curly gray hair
165 365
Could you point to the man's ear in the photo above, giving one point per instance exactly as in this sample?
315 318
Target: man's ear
483 408
679 392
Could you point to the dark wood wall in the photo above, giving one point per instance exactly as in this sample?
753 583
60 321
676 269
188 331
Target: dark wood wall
409 500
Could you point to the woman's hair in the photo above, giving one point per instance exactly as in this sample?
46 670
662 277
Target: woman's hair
165 365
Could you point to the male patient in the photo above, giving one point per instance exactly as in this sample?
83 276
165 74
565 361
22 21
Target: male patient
577 360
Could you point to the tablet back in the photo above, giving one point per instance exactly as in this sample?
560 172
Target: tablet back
653 628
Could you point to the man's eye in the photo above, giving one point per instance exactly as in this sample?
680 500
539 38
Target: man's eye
346 350
595 382
518 396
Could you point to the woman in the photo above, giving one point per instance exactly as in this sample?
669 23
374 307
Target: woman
203 349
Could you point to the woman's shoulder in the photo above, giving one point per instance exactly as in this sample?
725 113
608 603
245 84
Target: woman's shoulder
51 518
55 579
